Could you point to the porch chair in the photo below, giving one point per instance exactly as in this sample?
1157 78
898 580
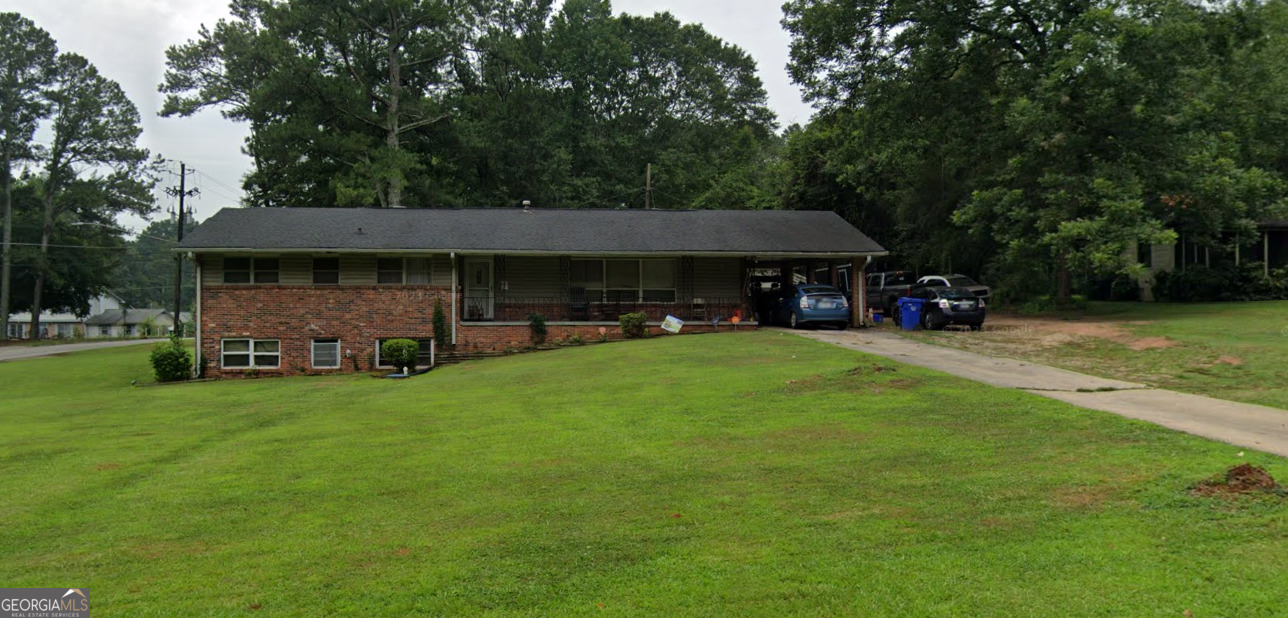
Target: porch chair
698 310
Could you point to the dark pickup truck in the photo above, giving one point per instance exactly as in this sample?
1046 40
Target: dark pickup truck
885 289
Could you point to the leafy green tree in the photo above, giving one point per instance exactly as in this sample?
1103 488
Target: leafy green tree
432 103
1041 138
145 277
80 261
26 63
93 163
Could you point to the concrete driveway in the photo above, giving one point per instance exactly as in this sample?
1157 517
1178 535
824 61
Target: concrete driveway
1243 424
19 352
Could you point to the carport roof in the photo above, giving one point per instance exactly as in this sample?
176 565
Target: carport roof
512 230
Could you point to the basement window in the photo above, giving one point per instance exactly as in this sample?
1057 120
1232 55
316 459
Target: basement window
326 353
250 353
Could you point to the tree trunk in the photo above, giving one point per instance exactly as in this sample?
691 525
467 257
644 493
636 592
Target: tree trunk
6 261
392 124
42 264
1063 280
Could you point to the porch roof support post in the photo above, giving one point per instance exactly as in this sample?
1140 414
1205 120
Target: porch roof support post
455 316
196 318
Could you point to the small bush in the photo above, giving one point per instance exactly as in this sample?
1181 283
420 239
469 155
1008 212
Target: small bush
400 353
575 339
441 337
537 324
171 361
634 325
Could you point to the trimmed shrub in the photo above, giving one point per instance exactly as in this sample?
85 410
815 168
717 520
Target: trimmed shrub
400 353
441 336
537 324
171 361
634 325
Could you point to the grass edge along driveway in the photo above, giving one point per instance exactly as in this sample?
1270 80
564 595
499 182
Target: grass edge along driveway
751 474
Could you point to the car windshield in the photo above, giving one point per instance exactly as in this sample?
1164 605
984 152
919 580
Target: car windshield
960 280
956 294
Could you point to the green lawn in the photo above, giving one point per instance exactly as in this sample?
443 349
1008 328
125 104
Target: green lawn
747 474
1235 351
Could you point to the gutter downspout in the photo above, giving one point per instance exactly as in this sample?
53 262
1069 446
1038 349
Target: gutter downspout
862 287
196 318
454 315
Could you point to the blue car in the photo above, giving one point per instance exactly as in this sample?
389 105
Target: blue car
814 304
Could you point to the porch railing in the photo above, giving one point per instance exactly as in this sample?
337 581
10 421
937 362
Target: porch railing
570 309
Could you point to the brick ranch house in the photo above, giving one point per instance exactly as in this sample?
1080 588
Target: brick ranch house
315 290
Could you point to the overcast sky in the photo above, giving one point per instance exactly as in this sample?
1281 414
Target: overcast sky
127 39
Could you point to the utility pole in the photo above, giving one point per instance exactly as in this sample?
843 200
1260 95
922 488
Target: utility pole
178 258
648 186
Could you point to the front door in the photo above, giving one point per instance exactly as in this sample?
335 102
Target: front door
478 289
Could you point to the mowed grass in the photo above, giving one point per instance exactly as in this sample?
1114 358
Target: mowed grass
747 474
1235 351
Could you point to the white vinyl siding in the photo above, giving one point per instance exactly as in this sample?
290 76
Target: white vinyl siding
357 270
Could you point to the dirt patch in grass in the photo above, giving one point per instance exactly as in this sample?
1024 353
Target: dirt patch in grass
107 466
1152 343
1052 332
1084 496
1240 480
1234 361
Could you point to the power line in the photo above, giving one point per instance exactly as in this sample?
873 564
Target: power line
36 244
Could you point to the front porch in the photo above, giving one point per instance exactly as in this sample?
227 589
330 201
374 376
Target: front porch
579 308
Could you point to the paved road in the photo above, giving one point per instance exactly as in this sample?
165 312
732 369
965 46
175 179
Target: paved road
19 352
1256 427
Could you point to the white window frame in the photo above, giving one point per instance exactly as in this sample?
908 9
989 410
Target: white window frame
313 352
250 351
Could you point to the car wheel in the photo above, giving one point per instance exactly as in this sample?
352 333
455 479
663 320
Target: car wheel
792 320
928 322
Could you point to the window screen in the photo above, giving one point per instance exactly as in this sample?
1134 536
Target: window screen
326 353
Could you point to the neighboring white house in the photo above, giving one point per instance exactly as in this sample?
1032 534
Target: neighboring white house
52 326
126 322
108 317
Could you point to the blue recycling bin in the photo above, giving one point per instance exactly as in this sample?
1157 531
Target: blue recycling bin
910 313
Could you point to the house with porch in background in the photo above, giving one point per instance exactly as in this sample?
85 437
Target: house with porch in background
303 290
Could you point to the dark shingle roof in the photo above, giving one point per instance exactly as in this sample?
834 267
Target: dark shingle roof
538 230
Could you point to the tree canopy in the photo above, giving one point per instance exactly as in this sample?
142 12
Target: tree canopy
74 183
1039 140
485 103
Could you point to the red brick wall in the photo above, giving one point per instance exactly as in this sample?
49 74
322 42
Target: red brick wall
357 316
296 315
